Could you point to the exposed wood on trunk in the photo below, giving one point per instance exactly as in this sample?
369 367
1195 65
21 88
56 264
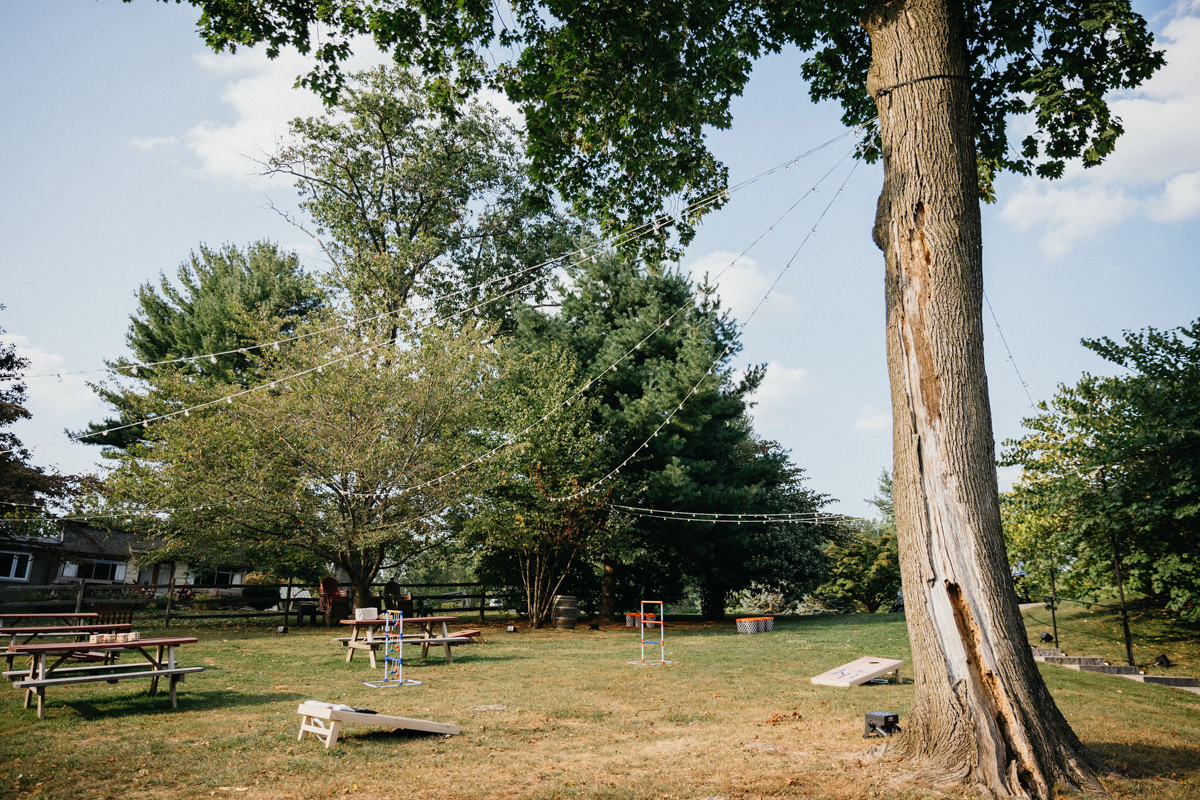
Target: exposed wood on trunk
983 716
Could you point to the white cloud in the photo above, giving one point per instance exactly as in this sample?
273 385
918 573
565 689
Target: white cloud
1180 199
1066 213
1154 172
775 399
51 396
264 100
742 286
872 419
153 143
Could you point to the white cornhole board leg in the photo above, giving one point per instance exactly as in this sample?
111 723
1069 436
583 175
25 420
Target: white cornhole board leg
312 714
859 671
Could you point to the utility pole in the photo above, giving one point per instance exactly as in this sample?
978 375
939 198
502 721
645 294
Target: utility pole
1120 583
1054 604
1121 594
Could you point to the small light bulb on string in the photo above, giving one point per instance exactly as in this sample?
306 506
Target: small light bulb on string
243 351
275 346
60 380
133 369
228 400
213 359
187 413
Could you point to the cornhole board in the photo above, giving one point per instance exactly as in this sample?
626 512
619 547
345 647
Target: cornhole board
314 717
859 671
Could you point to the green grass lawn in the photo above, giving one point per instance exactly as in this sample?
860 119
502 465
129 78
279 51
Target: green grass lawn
544 714
1097 631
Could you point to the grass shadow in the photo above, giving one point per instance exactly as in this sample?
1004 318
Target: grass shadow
1140 760
137 703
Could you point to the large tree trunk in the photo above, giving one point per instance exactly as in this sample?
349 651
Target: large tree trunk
608 592
983 716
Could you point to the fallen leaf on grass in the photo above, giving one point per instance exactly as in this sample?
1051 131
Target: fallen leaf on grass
775 719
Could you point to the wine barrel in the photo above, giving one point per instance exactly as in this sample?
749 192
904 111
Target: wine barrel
565 611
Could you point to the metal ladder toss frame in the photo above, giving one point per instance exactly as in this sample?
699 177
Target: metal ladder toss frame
393 653
661 622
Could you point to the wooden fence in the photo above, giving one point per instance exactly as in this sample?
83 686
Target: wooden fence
81 593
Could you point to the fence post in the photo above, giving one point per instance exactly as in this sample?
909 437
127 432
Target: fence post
288 605
482 601
170 596
79 597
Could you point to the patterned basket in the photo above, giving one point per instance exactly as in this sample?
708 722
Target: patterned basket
755 624
632 618
111 638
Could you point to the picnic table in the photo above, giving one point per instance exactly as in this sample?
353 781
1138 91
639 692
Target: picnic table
35 679
425 637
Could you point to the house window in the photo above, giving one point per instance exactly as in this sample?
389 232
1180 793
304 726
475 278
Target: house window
222 577
15 566
95 570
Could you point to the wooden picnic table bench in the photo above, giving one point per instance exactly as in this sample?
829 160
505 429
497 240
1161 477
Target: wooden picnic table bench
39 676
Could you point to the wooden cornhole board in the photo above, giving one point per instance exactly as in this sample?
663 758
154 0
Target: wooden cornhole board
859 671
312 716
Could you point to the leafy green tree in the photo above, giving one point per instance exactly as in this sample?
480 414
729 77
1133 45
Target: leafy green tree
339 455
412 203
519 521
217 305
679 343
616 98
864 567
862 558
1111 468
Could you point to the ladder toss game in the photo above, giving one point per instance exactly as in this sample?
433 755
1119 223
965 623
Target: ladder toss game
393 653
649 621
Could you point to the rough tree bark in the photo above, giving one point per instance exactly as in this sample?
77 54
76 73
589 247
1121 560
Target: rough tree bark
983 715
608 592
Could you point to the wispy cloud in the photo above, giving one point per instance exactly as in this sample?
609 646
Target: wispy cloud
263 99
51 396
153 143
776 399
872 419
743 285
1154 173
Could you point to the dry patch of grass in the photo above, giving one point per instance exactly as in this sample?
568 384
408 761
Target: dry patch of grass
544 714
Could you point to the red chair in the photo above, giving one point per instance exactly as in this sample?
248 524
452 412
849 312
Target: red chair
335 604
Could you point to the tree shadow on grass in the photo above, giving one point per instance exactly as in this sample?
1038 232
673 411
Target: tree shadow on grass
137 703
1139 760
437 660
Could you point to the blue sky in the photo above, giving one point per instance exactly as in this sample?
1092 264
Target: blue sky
126 144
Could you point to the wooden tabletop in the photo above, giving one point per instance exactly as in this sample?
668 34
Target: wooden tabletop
381 620
71 647
65 615
108 627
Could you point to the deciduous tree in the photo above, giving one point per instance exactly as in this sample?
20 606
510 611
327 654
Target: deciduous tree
1113 464
217 304
338 455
